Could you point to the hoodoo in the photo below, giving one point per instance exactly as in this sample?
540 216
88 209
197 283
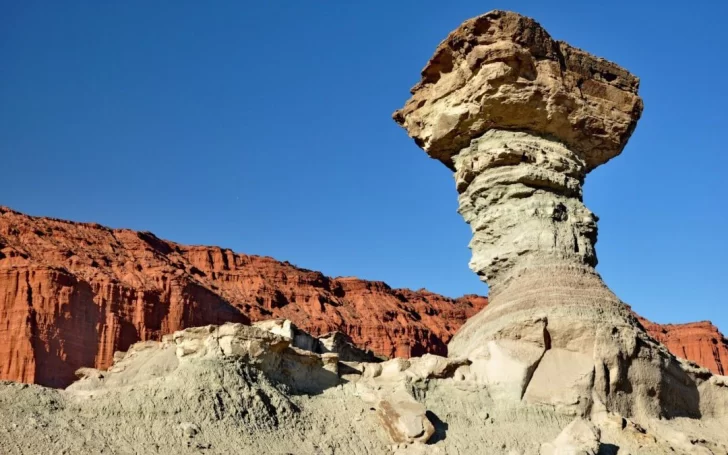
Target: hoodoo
522 119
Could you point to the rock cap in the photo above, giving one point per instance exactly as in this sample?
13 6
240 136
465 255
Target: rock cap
503 70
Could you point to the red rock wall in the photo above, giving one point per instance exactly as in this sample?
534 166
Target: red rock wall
700 342
71 294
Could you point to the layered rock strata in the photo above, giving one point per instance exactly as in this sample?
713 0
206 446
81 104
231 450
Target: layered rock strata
72 294
700 342
522 119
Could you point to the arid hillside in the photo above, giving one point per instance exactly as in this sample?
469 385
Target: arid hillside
72 294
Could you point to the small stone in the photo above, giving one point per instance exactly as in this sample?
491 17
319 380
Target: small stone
189 429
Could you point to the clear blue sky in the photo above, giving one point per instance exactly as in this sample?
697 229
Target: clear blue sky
265 127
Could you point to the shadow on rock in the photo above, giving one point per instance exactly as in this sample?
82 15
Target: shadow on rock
679 395
440 428
608 449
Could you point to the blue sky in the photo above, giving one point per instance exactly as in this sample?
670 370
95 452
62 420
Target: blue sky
266 128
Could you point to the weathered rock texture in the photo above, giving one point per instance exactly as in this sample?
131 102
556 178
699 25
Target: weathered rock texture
71 294
522 119
335 342
503 71
240 389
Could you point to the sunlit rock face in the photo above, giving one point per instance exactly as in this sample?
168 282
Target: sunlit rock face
522 119
72 294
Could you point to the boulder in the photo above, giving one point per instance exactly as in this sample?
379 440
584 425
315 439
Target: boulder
404 419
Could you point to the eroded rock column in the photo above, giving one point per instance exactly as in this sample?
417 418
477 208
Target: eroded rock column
533 241
522 119
522 196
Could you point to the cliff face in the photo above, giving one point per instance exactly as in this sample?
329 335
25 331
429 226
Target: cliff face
700 342
71 294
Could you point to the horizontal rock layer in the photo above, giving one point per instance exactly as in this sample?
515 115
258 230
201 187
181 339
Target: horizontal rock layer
503 70
700 342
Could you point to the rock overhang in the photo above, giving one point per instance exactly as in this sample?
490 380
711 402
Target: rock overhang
502 70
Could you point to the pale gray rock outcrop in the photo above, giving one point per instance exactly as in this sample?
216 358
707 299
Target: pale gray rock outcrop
240 389
333 342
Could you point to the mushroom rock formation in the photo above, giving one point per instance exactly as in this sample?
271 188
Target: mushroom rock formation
522 119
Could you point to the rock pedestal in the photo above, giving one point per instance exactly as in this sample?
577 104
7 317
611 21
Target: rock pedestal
522 119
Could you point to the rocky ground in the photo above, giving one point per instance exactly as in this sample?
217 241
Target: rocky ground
239 389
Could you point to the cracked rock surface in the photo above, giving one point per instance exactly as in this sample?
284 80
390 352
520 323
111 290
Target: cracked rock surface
503 70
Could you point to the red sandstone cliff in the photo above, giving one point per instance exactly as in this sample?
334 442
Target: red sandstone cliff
700 342
73 293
